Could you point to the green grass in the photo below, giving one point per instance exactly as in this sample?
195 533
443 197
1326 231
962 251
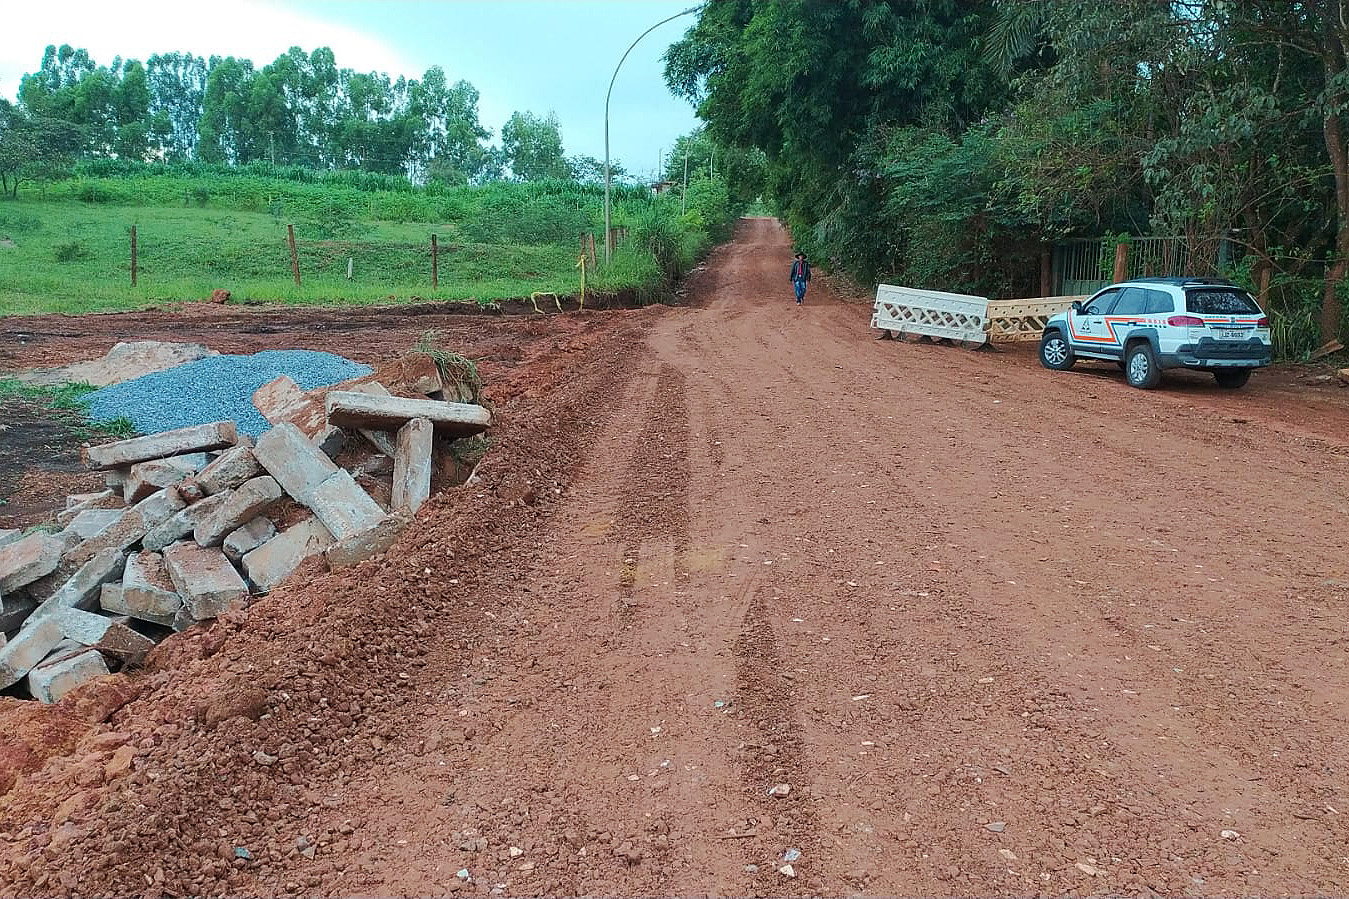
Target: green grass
71 243
68 399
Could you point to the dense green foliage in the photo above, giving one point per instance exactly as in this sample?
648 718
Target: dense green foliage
948 143
299 110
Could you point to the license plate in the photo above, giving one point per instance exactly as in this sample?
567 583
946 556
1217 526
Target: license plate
1232 334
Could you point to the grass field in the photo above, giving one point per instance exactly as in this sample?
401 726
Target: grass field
67 249
67 402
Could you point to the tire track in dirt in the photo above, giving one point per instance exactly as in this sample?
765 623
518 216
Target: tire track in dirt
570 678
652 521
774 755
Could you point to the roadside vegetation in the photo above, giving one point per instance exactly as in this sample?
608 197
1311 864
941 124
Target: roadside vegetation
67 403
199 228
949 144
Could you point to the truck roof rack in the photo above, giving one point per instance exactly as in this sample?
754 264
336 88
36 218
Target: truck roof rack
1181 282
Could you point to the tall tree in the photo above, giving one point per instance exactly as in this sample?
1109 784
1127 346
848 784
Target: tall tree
34 147
225 131
449 133
177 83
533 147
131 103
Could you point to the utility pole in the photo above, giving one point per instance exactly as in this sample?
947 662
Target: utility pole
608 180
294 256
683 198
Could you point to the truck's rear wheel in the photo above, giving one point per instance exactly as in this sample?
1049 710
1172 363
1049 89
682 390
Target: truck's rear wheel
1140 366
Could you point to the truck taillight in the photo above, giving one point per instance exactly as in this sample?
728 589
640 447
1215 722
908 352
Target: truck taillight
1262 321
1185 321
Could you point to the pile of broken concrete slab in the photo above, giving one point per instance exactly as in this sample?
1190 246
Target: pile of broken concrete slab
188 527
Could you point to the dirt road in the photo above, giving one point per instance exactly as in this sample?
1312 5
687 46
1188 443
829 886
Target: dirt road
999 630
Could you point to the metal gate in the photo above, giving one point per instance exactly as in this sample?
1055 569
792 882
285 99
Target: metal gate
1085 266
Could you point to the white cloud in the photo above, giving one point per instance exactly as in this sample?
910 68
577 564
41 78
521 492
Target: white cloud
253 29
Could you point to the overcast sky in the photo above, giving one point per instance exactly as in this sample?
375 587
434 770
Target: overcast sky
531 55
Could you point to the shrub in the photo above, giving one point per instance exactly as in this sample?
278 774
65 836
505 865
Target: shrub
93 192
70 251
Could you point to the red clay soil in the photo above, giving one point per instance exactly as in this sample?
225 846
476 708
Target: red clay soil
1000 631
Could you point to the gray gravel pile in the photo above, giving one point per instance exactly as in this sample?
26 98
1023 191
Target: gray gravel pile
216 388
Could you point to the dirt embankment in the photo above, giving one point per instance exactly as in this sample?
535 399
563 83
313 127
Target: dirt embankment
315 675
994 629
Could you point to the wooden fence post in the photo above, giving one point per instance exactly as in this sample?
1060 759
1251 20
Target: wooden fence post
590 239
294 257
1046 273
435 264
1264 286
1121 261
133 255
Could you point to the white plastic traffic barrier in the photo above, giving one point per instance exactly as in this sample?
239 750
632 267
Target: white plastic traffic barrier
1024 319
907 310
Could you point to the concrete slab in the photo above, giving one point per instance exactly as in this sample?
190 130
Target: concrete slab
25 560
244 540
107 635
216 435
230 469
343 507
102 499
381 440
147 588
270 564
252 498
282 400
90 522
412 465
51 681
182 523
147 477
81 591
130 528
112 598
357 548
348 409
207 581
297 464
26 649
81 500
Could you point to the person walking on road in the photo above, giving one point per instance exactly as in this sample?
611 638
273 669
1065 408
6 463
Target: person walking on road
800 276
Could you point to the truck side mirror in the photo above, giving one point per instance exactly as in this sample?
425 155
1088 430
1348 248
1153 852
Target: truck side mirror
1077 306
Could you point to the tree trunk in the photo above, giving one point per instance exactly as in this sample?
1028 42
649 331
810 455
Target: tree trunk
1339 160
1333 61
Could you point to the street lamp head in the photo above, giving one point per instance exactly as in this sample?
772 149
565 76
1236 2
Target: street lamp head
608 243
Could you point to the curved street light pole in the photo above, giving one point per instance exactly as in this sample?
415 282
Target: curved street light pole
608 240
